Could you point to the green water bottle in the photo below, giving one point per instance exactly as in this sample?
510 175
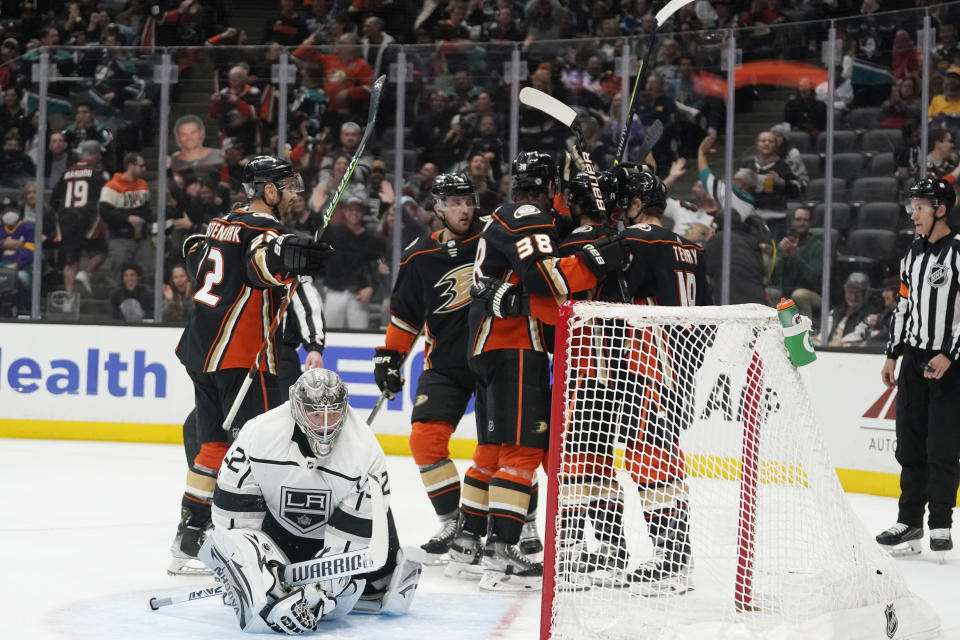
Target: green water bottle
796 333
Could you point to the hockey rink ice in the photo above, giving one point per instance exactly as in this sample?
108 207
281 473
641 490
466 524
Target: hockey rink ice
86 528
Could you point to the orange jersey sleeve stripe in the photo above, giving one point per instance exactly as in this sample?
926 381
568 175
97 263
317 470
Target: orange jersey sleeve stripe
398 340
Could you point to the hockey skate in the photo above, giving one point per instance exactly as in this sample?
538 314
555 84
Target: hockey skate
902 540
465 552
436 548
581 569
505 568
940 543
185 547
666 574
530 544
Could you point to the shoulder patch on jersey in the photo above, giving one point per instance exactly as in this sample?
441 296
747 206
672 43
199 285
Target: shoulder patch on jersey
410 246
584 229
525 210
642 226
261 214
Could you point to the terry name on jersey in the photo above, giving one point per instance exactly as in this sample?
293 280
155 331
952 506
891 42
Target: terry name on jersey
683 254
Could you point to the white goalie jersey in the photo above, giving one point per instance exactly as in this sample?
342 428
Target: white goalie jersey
271 480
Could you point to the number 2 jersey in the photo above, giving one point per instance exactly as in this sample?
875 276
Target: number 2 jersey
520 245
237 295
433 292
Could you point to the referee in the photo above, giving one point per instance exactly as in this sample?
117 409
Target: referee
925 331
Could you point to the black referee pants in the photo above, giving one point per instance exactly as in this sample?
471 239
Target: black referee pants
928 441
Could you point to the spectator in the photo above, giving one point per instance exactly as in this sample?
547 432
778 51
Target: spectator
9 69
236 106
545 19
799 267
190 133
760 42
16 250
744 182
379 188
348 77
804 111
775 181
131 301
454 28
412 229
906 58
652 105
694 219
28 203
116 78
504 28
845 318
746 264
125 208
947 46
944 108
16 167
479 174
320 20
326 188
687 89
375 44
12 114
85 127
353 272
177 295
61 58
289 29
941 160
667 61
231 171
300 220
430 129
58 157
791 155
488 143
877 325
350 136
903 104
421 183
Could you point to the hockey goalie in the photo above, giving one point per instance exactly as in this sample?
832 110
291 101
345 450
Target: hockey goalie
296 485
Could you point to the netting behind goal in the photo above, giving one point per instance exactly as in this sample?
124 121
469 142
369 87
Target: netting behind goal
691 494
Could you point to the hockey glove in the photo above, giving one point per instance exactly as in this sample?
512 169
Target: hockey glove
604 256
500 299
386 371
291 614
297 255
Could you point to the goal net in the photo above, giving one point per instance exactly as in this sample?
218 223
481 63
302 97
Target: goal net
691 495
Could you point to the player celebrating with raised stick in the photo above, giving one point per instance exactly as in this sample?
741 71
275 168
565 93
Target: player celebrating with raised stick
298 483
509 359
242 266
432 296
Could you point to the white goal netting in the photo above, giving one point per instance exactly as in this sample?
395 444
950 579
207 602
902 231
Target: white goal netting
692 495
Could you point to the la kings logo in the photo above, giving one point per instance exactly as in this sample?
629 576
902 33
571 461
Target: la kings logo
306 509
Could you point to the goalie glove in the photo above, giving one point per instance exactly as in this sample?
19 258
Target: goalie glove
604 256
294 254
500 299
386 371
293 613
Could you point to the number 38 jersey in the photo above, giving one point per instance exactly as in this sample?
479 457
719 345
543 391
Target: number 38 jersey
520 245
236 297
664 269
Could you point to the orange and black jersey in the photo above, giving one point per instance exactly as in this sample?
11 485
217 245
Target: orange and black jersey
433 292
520 245
608 290
664 269
78 191
237 295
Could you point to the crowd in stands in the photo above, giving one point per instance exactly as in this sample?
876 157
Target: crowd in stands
457 119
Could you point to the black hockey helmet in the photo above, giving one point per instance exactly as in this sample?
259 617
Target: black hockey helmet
264 170
936 190
533 171
452 184
622 173
580 192
647 186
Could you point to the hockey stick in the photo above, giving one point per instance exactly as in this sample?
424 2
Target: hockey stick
375 93
662 16
557 110
650 140
383 394
332 567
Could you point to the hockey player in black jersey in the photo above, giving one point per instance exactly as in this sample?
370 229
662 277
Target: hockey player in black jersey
432 296
242 266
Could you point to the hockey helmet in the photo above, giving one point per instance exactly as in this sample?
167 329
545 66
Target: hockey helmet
936 190
645 185
533 171
264 170
448 185
318 403
580 192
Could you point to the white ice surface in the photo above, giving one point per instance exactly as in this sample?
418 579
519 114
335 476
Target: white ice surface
85 529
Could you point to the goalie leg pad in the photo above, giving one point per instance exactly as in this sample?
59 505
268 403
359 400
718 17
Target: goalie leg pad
396 595
244 561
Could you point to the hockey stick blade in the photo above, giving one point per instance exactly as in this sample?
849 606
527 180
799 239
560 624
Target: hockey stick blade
548 104
669 9
654 133
375 94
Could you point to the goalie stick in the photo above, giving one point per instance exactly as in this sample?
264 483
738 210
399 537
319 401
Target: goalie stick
331 567
375 94
662 16
557 110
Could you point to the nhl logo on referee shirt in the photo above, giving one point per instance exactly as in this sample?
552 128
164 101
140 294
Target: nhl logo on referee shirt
937 276
892 622
305 509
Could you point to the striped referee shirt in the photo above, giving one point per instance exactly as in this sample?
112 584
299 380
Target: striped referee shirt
928 314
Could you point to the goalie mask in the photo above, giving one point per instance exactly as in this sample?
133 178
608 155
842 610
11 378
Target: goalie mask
318 403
